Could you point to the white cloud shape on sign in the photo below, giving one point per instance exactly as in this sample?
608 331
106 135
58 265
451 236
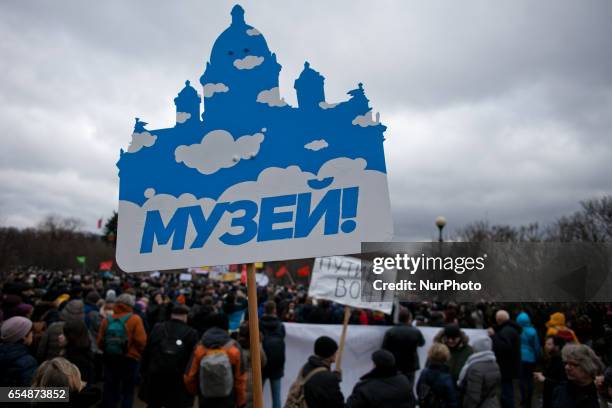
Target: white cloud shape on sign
316 145
248 62
253 32
218 150
140 140
366 120
181 117
325 105
210 89
271 97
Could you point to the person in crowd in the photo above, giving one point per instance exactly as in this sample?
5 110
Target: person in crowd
91 309
122 338
480 378
556 327
605 388
59 372
530 353
217 356
93 320
554 370
273 331
435 388
17 366
158 310
506 337
165 359
582 366
245 343
290 313
78 348
458 344
403 341
321 386
53 341
206 316
383 386
109 303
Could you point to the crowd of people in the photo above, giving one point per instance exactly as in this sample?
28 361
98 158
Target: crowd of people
173 343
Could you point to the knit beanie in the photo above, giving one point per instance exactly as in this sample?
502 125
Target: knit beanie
452 330
482 344
383 359
23 309
127 299
74 310
111 296
15 329
325 347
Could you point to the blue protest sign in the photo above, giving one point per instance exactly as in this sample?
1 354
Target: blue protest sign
252 178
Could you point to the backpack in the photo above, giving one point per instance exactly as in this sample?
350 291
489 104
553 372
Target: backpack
115 337
216 375
427 398
296 398
170 351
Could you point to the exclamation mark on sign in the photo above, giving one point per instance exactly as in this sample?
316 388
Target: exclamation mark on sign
350 197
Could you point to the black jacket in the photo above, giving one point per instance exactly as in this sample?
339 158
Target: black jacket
162 385
382 388
83 359
438 379
569 395
507 348
555 375
17 365
402 342
323 388
273 331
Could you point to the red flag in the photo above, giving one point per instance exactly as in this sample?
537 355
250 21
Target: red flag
304 271
99 223
282 271
106 265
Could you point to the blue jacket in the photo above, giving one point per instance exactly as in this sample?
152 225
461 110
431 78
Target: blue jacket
17 365
530 345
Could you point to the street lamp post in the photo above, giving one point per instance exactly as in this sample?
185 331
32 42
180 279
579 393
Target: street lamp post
440 223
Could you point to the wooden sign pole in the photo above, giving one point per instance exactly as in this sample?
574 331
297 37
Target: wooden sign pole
347 316
254 335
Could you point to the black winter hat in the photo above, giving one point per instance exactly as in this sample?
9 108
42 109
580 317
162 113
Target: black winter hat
452 330
325 347
383 359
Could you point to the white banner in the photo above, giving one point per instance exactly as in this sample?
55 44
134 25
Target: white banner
361 342
185 277
338 278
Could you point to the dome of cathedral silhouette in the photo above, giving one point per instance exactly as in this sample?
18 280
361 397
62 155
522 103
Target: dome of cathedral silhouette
241 60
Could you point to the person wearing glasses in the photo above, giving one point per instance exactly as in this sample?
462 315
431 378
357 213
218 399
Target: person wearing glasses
582 366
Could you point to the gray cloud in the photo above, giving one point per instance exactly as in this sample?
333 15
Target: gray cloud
498 112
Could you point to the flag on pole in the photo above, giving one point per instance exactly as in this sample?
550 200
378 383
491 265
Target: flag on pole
106 265
81 259
282 271
99 223
304 271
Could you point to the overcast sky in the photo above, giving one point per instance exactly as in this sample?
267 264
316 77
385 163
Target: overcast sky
498 111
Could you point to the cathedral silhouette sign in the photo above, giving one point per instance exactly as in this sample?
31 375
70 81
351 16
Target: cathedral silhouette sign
243 176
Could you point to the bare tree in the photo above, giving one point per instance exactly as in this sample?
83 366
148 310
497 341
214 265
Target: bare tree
593 223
